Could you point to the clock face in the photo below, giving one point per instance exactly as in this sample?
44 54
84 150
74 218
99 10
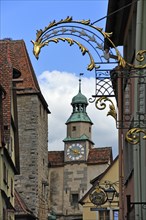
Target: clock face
75 151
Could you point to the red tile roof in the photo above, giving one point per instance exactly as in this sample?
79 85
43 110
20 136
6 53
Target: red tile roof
14 55
20 206
100 155
96 156
55 158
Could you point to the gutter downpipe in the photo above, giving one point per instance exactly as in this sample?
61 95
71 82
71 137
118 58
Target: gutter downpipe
136 149
120 144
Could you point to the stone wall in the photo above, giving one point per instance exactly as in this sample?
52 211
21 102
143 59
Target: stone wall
72 178
33 131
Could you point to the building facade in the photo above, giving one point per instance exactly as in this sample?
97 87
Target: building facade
71 170
32 182
95 203
129 30
9 145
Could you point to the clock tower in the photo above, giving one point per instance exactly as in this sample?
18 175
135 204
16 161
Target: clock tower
71 170
78 141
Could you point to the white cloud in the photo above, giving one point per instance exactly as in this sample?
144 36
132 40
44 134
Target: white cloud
58 89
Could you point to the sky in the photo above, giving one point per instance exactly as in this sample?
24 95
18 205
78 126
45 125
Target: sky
59 65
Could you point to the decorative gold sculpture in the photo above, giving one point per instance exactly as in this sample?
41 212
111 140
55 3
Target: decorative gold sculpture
84 50
112 112
133 135
44 37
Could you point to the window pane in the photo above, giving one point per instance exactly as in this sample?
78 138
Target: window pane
116 215
104 215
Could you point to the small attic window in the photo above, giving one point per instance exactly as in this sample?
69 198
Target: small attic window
16 73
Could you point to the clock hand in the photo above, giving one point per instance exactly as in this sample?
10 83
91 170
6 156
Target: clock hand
75 151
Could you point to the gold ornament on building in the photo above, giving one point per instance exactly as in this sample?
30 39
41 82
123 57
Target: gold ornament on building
133 135
71 27
100 104
92 35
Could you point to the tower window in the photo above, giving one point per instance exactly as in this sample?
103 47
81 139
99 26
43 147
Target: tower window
89 129
74 199
74 128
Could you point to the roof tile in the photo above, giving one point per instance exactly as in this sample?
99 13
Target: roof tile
96 156
100 155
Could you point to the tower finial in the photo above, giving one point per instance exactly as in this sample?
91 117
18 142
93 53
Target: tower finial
81 74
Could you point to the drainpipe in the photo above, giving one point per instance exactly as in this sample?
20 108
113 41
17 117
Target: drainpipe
120 144
137 148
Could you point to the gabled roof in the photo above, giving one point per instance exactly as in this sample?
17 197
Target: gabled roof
14 54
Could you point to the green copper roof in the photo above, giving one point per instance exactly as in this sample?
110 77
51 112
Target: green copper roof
82 138
79 117
79 98
79 104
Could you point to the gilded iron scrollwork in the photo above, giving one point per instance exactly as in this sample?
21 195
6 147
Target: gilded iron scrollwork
133 135
112 112
88 33
84 50
44 37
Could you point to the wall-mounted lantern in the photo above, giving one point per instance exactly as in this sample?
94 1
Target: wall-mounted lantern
110 193
102 194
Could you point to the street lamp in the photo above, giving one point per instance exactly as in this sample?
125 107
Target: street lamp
110 193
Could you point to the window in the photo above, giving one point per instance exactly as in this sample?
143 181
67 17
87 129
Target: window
74 128
116 214
104 215
74 199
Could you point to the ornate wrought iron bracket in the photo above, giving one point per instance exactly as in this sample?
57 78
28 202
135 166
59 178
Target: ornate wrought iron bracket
101 101
84 30
96 39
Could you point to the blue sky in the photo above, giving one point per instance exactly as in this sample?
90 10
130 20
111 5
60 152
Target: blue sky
59 64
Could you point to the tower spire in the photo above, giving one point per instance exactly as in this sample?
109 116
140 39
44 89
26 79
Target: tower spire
81 74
